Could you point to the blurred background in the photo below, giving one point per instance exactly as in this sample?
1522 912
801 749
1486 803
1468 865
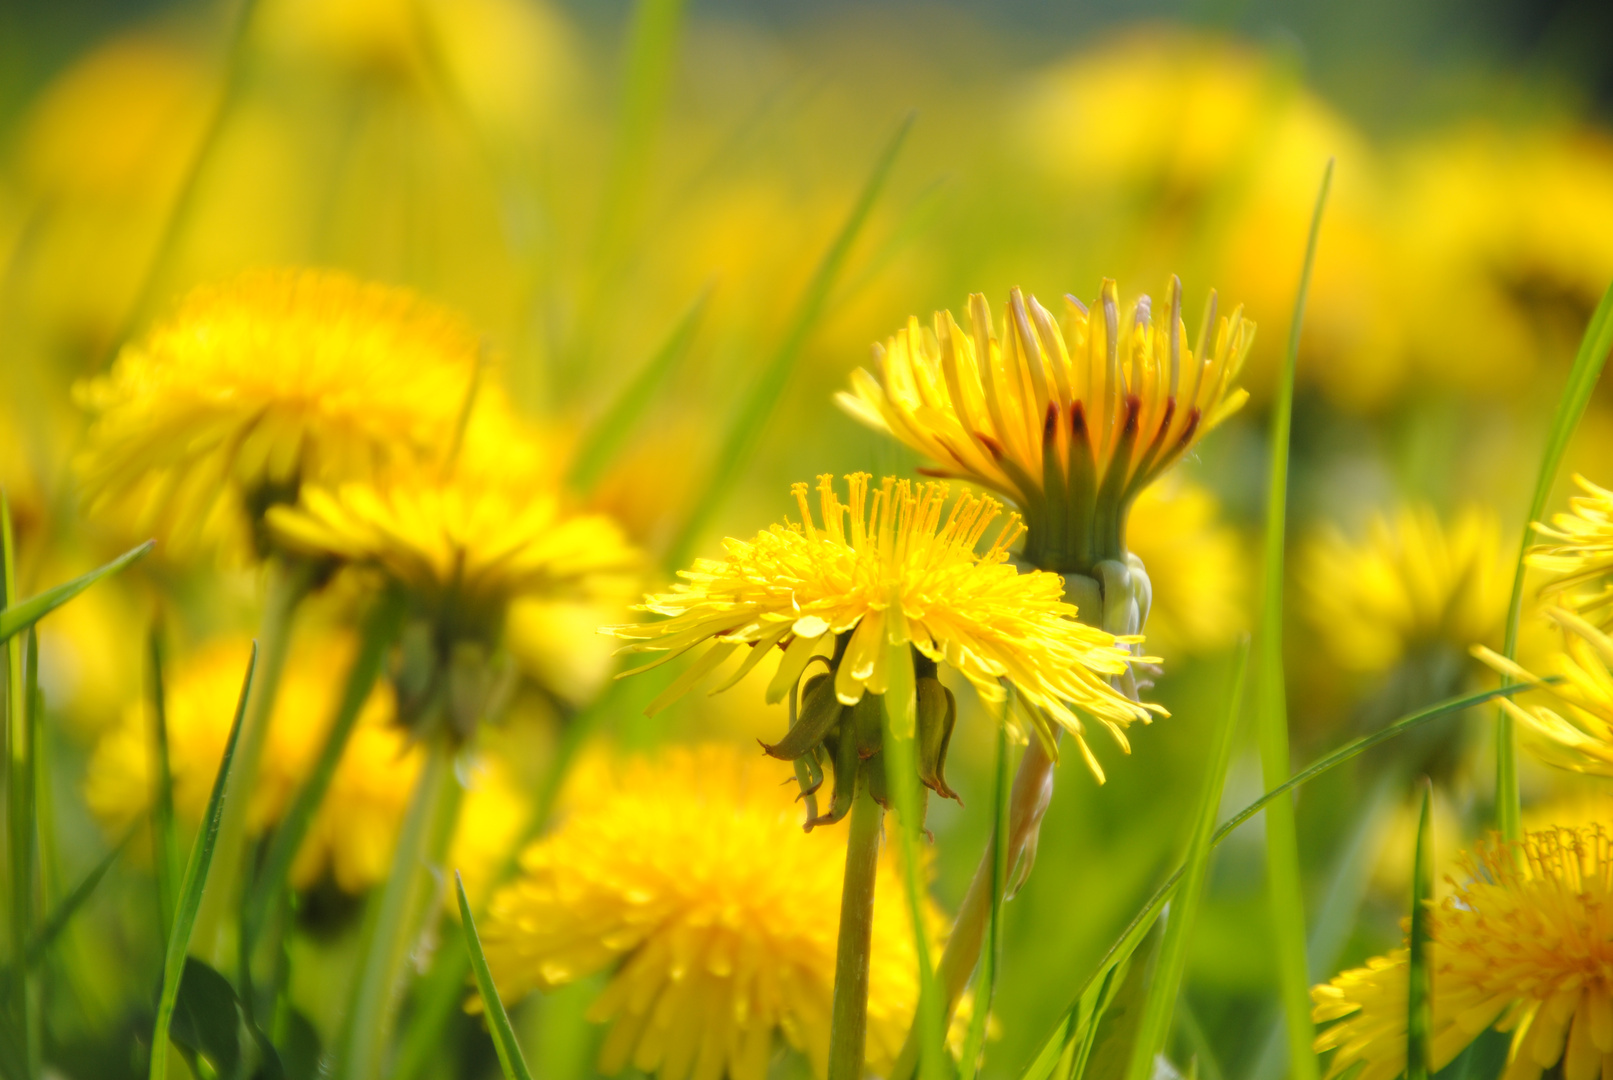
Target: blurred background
579 179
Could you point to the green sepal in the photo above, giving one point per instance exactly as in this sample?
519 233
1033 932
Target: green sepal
867 720
937 713
820 712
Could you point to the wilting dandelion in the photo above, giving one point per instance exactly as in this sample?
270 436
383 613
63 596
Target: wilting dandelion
1524 942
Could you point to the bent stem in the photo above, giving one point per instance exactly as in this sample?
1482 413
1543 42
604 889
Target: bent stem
393 920
848 1027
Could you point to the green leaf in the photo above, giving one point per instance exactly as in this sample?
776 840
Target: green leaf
607 435
206 1017
1420 991
16 616
1162 993
165 837
986 984
498 1021
746 428
299 1047
190 892
1271 709
1115 1024
1582 378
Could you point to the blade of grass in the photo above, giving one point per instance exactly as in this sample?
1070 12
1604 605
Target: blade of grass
1582 378
164 838
605 438
1160 1006
195 883
1203 1053
1271 708
21 652
63 913
986 984
1144 919
18 616
746 427
498 1021
1420 992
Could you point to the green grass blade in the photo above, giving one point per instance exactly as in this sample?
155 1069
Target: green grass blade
18 616
164 836
1582 379
986 984
1271 709
63 913
22 677
498 1021
1203 1053
195 883
746 429
1420 992
604 440
379 631
1160 1006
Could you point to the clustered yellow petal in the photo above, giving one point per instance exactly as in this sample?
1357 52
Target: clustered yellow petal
689 877
1524 942
1580 555
1576 734
1070 422
259 384
1410 584
890 568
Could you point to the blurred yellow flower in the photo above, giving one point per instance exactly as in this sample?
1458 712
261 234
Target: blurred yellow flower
276 378
689 876
1070 423
1525 942
1410 584
352 836
1196 568
1580 737
891 571
1579 552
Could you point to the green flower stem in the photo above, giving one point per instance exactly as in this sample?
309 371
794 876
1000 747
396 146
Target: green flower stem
393 920
848 1027
287 584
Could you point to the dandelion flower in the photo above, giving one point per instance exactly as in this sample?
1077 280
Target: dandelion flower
889 579
1576 734
688 877
1412 584
274 379
1195 566
1579 554
1524 942
1071 423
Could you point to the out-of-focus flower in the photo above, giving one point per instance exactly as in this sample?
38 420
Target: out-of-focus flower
690 876
275 379
352 836
1196 567
1522 943
1579 553
1411 584
1580 737
885 578
1070 423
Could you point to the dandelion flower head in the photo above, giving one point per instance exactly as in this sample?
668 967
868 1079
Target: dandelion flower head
1069 421
1573 728
276 378
688 876
1524 942
1578 553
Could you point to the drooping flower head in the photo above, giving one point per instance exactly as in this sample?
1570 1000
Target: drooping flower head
689 876
1411 584
891 577
1524 942
1579 554
1575 730
274 379
1070 422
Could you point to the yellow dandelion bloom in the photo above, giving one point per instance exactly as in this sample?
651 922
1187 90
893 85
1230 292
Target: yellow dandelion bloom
1579 554
1412 584
274 379
1195 566
1576 734
689 876
352 836
1070 422
1524 942
891 570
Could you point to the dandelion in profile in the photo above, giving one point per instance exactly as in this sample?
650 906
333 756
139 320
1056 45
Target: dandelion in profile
1578 553
886 589
1573 728
258 385
688 877
1524 942
1070 422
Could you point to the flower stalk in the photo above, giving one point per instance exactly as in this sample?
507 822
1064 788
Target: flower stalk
848 1031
